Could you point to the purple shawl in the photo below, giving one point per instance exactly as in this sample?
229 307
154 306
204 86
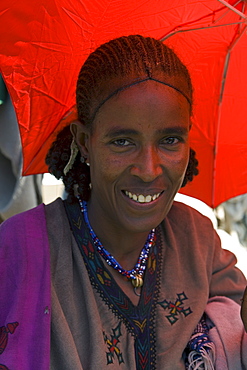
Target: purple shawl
25 296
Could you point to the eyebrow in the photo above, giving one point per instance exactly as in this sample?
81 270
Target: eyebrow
166 131
120 132
174 130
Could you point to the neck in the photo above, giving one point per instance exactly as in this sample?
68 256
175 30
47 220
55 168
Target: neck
125 249
124 246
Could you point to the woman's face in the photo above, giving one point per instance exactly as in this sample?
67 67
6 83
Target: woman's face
138 154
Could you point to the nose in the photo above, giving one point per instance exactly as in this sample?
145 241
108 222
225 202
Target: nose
147 165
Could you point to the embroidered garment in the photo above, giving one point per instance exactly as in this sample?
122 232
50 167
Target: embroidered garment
200 350
188 269
94 324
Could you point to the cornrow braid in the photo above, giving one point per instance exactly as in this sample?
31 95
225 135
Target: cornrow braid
115 64
127 58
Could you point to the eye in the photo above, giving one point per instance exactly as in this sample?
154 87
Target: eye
171 140
121 142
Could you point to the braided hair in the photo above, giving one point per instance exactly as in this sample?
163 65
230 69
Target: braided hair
126 58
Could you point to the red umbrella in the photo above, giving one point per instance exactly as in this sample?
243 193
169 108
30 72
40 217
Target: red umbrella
44 43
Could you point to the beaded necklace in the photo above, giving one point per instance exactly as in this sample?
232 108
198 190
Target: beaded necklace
136 274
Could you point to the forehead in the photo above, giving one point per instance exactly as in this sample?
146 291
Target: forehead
146 102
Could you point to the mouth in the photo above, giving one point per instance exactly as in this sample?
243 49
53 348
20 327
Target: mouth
140 198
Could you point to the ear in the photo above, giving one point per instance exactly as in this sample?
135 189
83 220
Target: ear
80 135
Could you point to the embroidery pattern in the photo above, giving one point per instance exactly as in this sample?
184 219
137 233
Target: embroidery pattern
176 308
135 318
112 345
4 331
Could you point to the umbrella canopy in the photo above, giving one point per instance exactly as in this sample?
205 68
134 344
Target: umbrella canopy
44 43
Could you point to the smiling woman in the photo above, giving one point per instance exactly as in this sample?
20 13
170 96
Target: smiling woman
153 123
132 271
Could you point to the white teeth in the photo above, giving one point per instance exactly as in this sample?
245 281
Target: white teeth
134 197
142 198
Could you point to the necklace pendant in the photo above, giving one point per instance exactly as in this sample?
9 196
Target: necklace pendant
137 282
141 264
135 291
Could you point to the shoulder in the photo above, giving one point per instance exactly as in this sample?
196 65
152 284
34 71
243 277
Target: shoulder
58 226
56 206
33 218
56 217
182 212
188 224
16 226
24 241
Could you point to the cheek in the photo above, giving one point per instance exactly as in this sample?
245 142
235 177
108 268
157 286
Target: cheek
178 163
106 169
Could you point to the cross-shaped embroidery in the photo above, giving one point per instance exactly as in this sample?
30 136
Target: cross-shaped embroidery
112 345
176 308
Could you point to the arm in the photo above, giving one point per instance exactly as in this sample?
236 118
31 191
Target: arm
227 280
199 240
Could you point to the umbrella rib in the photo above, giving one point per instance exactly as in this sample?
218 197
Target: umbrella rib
242 15
234 42
199 28
228 11
237 37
